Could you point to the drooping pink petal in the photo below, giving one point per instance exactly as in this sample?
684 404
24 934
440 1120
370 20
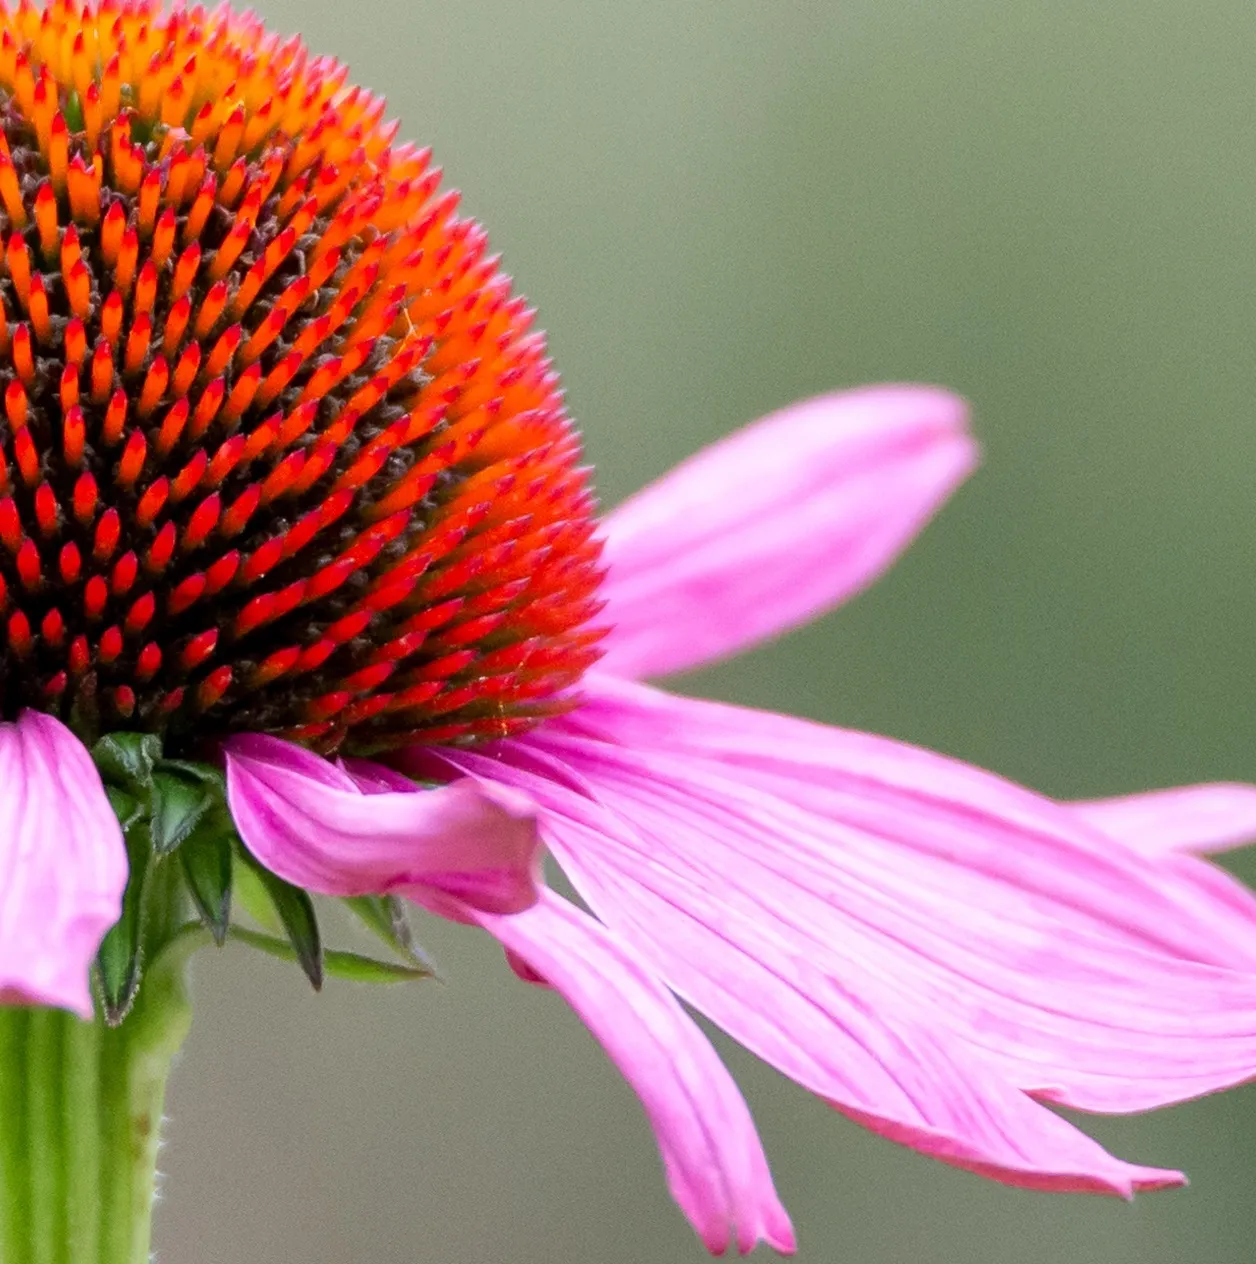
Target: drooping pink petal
929 892
63 865
313 824
763 986
715 1164
771 526
1201 819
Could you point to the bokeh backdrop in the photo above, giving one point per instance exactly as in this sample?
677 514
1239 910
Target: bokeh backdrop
720 206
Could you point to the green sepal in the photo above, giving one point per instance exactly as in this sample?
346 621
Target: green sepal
386 916
249 893
295 911
126 807
127 760
169 805
159 804
118 961
206 860
173 793
340 965
180 799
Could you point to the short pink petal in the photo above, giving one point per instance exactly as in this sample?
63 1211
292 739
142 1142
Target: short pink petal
776 523
63 865
715 1164
313 824
1203 819
931 891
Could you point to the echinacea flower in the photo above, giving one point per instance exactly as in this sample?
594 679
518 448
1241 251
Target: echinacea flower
287 489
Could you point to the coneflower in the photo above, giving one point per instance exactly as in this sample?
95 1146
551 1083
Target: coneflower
301 590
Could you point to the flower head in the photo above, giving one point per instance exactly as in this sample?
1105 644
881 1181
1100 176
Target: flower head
282 454
284 475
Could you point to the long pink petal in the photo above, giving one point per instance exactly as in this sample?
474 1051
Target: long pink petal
775 524
317 826
63 865
764 986
1201 819
931 891
715 1164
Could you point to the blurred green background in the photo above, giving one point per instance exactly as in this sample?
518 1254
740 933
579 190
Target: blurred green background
720 206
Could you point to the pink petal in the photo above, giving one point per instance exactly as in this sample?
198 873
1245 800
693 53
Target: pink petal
932 893
775 524
715 1164
313 824
63 865
761 982
1207 818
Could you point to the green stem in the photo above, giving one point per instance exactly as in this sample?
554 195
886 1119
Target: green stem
80 1116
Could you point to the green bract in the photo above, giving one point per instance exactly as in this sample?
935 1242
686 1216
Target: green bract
189 872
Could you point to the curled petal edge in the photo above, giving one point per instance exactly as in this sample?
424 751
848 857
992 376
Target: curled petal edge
337 832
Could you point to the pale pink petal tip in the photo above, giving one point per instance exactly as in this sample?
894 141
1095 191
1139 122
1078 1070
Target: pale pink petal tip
63 865
338 832
769 527
1200 819
715 1164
